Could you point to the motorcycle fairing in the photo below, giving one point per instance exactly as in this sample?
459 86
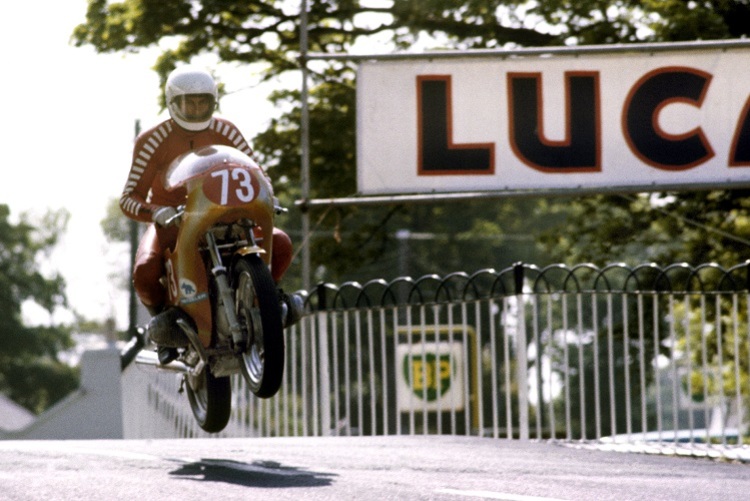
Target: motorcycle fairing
244 192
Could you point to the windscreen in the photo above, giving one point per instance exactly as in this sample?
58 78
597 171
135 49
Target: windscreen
198 162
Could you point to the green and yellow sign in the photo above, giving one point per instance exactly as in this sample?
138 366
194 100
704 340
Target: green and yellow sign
430 376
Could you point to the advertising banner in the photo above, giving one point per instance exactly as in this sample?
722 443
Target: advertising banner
650 120
430 377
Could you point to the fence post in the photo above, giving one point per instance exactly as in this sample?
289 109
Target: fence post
521 354
324 366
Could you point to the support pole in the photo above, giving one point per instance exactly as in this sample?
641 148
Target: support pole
305 146
522 348
133 227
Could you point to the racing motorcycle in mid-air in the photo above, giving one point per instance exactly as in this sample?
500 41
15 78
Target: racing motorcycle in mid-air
224 314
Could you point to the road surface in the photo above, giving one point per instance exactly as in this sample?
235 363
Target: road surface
364 468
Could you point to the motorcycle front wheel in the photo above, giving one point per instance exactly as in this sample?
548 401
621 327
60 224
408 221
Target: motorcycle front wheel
259 313
210 400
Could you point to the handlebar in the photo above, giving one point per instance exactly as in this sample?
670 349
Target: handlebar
177 218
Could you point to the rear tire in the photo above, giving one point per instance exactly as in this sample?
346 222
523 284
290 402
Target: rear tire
259 313
210 400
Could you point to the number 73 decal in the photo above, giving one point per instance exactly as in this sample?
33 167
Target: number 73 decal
231 186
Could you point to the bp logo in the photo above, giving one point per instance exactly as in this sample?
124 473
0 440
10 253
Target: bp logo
429 375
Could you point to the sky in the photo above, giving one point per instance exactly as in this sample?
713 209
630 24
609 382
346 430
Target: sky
75 110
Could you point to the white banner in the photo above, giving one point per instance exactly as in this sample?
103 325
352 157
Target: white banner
646 120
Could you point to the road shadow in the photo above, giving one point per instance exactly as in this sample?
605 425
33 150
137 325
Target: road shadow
268 474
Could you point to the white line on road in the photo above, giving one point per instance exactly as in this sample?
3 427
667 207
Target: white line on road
494 495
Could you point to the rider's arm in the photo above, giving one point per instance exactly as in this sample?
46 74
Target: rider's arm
134 200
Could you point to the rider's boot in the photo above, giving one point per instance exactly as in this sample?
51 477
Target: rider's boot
164 331
166 355
292 308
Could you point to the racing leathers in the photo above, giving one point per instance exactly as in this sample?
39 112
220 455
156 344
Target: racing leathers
144 194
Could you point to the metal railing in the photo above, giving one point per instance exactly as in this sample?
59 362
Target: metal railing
646 354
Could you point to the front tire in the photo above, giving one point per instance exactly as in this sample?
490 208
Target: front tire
210 400
259 313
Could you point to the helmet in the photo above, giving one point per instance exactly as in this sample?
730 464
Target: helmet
191 94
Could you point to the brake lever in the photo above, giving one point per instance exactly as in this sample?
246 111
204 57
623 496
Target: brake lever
177 218
277 208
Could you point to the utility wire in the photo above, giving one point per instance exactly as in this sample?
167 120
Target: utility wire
691 222
306 240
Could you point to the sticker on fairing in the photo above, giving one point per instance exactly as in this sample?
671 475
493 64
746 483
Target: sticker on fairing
198 297
188 289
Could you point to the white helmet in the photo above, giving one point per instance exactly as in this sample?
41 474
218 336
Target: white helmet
193 112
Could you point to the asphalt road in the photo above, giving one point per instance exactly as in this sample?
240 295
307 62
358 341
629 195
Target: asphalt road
376 468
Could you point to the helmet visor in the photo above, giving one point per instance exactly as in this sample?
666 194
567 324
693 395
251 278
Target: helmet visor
194 108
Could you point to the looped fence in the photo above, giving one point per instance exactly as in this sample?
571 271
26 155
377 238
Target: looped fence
680 278
648 355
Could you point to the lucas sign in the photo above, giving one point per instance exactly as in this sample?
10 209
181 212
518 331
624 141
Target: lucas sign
671 119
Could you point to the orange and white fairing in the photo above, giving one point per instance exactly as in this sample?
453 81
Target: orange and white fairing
221 185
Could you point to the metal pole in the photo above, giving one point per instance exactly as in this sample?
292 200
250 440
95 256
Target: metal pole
305 146
522 356
133 227
324 367
431 198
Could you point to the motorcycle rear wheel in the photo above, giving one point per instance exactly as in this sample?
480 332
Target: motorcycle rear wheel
259 313
210 400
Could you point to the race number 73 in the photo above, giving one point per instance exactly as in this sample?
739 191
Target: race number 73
231 186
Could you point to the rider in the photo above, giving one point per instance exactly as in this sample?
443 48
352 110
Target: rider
191 97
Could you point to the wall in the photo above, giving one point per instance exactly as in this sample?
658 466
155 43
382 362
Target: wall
94 411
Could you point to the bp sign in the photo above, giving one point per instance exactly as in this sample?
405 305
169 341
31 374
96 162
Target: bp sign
430 377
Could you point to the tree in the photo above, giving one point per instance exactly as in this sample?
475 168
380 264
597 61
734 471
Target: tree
30 372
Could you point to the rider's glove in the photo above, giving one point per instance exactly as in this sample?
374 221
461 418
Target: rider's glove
164 216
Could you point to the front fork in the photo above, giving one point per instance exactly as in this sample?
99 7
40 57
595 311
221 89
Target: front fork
219 271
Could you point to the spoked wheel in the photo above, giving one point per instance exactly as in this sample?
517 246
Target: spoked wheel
259 313
210 400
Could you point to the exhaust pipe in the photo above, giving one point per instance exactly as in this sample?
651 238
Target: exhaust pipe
151 359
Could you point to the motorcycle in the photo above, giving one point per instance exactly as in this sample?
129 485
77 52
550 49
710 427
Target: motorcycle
224 310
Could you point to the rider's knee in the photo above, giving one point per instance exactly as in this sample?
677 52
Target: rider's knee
146 283
282 254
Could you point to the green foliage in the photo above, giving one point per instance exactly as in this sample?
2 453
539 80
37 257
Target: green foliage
115 225
36 382
30 372
605 226
681 20
589 420
711 226
266 32
693 227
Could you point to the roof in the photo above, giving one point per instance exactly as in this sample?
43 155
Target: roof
14 417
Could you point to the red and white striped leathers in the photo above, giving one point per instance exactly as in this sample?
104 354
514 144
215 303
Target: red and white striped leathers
153 153
144 192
